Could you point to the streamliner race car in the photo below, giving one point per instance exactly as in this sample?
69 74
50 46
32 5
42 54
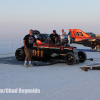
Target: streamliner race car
49 52
87 39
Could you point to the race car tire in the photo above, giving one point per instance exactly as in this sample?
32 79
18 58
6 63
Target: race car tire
70 58
20 54
82 56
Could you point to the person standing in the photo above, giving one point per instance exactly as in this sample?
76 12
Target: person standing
53 37
62 35
28 41
69 37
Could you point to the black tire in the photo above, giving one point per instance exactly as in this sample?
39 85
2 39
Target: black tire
82 56
70 58
20 54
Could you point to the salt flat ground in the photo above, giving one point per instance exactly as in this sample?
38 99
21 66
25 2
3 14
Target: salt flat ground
56 82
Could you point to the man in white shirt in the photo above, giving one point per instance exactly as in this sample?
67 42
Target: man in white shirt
69 37
62 35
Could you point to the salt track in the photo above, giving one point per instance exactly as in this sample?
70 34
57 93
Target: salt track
56 82
13 60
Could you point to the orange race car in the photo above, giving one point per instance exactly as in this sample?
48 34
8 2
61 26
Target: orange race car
87 39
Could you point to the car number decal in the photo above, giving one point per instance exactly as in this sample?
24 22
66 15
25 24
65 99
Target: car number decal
37 53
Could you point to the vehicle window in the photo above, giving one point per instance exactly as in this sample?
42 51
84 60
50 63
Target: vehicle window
77 34
80 34
46 41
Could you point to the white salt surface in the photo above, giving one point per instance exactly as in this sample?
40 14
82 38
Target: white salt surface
79 46
56 82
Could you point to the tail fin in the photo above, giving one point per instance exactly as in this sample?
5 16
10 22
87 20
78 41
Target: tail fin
78 33
72 34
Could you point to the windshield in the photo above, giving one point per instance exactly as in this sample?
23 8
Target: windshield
48 41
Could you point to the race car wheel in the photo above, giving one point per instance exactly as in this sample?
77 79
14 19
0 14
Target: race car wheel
20 54
82 56
70 58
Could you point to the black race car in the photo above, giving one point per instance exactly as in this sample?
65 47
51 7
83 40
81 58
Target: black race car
40 36
49 51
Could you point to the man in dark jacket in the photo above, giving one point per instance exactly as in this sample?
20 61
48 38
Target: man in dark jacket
54 37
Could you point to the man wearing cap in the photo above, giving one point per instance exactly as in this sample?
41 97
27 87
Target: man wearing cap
54 37
29 40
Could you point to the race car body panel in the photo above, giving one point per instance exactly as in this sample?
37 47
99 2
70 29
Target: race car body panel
81 37
47 50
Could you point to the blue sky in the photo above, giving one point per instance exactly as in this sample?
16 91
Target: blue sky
19 16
